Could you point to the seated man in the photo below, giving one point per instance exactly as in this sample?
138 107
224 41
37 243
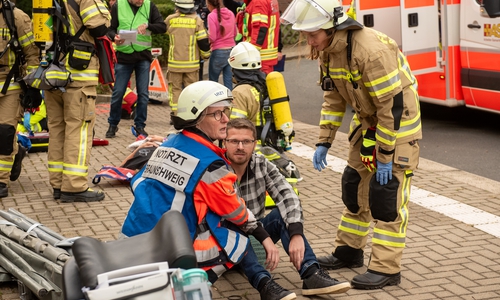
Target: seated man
189 173
256 175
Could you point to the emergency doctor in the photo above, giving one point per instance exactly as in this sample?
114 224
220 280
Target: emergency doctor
189 173
365 69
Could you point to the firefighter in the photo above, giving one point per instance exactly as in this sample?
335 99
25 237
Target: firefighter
71 113
189 173
188 43
365 69
17 44
260 26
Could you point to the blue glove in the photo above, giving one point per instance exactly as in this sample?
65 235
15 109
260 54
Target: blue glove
26 121
319 158
384 172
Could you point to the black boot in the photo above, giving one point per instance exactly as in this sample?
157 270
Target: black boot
4 190
375 280
111 131
343 257
17 166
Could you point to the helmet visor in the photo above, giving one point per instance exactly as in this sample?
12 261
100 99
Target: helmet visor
306 15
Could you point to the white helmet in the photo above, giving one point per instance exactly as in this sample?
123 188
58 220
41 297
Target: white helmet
244 56
312 15
184 3
196 97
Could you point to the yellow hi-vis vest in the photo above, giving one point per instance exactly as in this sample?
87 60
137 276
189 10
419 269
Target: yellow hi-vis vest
128 21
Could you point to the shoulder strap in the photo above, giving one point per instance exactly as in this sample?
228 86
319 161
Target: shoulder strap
76 8
8 14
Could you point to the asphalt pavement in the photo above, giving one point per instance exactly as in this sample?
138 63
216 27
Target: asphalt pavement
453 242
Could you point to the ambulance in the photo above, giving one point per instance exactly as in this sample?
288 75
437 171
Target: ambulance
452 46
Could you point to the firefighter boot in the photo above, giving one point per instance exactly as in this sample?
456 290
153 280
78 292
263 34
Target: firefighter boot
111 133
343 257
88 195
17 166
375 280
4 190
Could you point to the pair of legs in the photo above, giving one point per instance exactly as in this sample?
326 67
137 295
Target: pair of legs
71 119
10 114
122 77
176 82
274 225
218 64
386 205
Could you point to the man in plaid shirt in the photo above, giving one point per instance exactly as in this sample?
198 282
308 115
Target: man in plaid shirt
256 175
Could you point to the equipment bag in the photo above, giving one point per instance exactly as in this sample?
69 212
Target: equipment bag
107 60
79 54
49 78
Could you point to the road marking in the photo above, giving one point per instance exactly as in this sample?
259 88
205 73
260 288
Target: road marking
454 209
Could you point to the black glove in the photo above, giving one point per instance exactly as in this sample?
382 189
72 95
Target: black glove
31 98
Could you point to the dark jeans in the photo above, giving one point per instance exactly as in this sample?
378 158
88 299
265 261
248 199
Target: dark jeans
218 64
122 77
276 227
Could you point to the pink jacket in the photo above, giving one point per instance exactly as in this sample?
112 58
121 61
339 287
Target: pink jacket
218 40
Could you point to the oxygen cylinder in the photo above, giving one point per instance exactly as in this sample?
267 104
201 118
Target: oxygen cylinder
280 105
43 31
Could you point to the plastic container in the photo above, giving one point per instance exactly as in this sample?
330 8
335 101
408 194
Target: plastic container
194 282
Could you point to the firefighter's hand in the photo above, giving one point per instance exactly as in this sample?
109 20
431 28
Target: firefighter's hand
272 254
319 158
296 250
384 172
142 28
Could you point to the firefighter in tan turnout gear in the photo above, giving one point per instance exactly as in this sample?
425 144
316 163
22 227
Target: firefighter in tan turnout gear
188 43
71 109
365 69
16 42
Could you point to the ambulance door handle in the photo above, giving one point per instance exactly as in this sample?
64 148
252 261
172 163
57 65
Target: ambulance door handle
474 26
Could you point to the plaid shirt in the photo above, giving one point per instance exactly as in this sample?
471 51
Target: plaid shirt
262 175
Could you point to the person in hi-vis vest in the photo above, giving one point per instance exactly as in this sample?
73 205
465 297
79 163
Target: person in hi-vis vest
143 17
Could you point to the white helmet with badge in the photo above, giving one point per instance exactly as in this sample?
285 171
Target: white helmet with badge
312 15
196 97
244 56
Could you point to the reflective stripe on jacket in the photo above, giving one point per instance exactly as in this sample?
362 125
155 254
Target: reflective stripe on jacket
128 21
26 40
175 176
377 74
184 32
92 14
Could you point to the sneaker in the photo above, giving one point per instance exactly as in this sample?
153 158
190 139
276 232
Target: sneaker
57 194
321 283
330 262
88 195
111 133
273 291
138 131
17 165
4 190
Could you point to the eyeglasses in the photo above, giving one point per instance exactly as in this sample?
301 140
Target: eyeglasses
218 113
236 143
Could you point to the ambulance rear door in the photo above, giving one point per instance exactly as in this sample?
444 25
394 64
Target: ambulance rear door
480 56
420 35
384 16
